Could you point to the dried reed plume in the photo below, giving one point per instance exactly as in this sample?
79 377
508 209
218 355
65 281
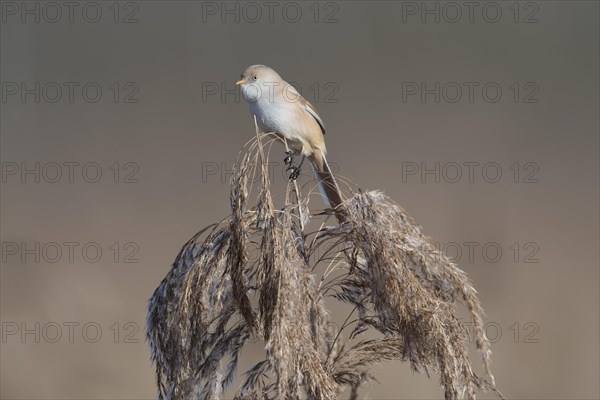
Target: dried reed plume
403 295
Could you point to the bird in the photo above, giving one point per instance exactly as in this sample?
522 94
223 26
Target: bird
278 108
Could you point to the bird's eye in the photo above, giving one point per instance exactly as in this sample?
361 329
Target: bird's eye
254 77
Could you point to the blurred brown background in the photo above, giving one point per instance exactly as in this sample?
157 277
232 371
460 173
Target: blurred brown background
164 133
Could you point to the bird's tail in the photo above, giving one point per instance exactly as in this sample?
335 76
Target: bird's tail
328 186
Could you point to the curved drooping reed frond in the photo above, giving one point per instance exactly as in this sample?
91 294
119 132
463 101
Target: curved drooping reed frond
404 295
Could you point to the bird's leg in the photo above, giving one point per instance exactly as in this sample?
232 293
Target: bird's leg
295 170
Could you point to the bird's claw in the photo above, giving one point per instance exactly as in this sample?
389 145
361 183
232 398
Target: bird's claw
289 158
294 174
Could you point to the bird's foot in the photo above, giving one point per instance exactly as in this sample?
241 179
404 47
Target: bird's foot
294 174
289 159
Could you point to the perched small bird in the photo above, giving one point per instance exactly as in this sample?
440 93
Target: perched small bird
279 108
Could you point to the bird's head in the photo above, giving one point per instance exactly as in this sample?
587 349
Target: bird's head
257 80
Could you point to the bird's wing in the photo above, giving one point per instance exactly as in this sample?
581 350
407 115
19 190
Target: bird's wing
306 106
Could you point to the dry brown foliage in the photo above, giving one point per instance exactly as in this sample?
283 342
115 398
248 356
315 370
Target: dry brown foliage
404 297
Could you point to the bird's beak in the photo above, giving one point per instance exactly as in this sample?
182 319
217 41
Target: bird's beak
240 82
